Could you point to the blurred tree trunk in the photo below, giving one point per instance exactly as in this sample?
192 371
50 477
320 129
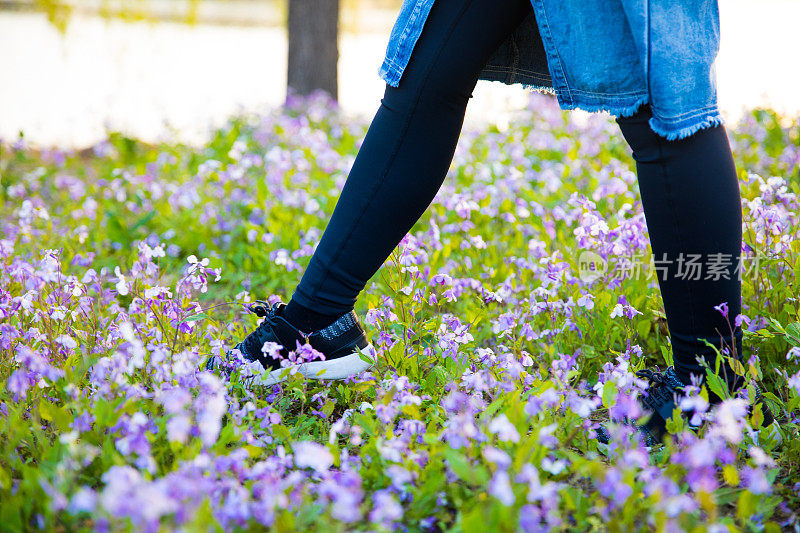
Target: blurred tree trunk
313 46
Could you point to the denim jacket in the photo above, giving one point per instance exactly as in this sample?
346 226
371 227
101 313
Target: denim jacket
601 55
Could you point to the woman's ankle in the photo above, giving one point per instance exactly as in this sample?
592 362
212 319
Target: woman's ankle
307 320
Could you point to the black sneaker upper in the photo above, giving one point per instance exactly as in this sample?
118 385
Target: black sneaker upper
661 397
344 336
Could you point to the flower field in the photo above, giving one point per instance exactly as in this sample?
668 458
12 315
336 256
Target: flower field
123 267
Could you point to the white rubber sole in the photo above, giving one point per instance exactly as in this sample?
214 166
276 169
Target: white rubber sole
339 368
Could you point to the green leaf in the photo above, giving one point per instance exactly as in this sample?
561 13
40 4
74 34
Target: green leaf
477 520
610 392
758 417
55 414
643 327
793 333
676 422
731 475
746 506
281 432
366 358
142 221
492 408
716 384
195 318
737 366
777 325
772 527
460 465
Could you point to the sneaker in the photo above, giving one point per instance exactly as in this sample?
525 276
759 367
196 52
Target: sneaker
660 399
343 343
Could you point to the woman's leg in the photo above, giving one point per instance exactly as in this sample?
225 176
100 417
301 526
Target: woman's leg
692 205
404 158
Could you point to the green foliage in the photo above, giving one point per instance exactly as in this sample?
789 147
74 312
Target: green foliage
266 185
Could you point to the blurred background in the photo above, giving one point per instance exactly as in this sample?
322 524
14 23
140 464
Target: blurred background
71 70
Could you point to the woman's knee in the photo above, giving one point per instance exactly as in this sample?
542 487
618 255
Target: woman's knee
436 90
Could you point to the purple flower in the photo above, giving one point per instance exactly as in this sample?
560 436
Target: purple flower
84 500
626 405
128 495
547 398
343 490
400 477
755 480
504 323
500 488
386 510
794 382
305 353
614 488
18 384
494 455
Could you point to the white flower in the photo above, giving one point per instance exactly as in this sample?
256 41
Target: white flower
553 466
122 285
729 420
760 458
127 332
84 500
272 349
76 290
504 429
210 408
26 300
695 403
586 301
178 428
497 456
154 292
67 342
309 454
192 259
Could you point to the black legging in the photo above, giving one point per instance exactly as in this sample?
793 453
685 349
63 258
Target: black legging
689 187
692 205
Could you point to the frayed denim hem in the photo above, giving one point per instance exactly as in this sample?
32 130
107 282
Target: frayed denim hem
670 130
544 89
625 110
686 127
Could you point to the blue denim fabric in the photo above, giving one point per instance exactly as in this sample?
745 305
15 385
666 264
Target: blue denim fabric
603 55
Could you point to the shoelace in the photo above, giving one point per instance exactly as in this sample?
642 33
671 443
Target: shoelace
263 310
660 389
